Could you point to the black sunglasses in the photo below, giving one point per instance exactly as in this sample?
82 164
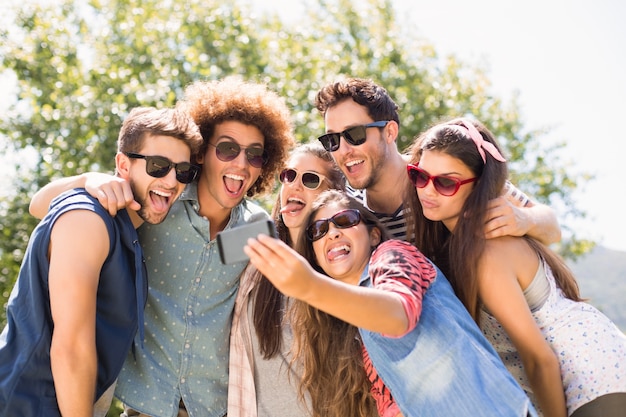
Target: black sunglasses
311 180
159 166
227 151
343 220
355 135
444 185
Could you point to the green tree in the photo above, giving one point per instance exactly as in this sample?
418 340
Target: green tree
82 66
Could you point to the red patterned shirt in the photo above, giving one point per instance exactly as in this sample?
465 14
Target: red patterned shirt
398 267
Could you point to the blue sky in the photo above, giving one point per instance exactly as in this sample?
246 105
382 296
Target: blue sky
566 59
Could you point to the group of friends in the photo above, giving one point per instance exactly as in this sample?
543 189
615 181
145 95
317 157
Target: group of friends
399 284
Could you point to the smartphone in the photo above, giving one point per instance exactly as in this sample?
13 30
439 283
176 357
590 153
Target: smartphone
230 242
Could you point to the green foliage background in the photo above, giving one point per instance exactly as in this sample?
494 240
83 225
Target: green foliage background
81 66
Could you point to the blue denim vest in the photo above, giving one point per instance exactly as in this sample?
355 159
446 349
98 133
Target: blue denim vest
444 366
26 384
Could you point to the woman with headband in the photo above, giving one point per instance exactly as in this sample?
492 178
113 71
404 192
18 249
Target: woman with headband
568 356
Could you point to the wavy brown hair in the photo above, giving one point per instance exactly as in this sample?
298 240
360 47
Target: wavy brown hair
457 253
142 122
232 99
363 91
330 350
268 301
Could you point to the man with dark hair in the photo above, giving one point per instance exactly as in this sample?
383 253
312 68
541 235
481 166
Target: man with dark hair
362 125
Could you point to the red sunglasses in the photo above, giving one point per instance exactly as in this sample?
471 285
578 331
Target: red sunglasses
444 185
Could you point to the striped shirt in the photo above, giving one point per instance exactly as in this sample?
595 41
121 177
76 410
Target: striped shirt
395 222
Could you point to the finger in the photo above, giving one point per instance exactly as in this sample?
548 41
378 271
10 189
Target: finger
128 197
497 207
275 255
107 199
497 232
116 200
259 257
497 200
495 227
258 250
493 203
119 196
491 217
279 248
134 205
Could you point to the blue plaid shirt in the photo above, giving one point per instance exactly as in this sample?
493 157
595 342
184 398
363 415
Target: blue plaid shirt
187 318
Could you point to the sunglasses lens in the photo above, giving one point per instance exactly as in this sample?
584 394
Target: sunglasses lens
186 173
256 156
418 178
342 220
287 175
317 230
311 180
347 218
356 135
445 186
330 141
157 166
227 151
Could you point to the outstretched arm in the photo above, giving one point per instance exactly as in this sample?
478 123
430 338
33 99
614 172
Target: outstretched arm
510 215
114 193
368 308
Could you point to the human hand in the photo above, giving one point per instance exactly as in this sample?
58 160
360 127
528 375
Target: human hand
504 218
284 267
114 193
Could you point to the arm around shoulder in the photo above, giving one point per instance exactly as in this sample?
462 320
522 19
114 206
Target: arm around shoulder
40 203
514 214
543 224
114 193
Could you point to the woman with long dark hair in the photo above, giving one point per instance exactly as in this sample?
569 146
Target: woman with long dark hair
414 334
262 379
568 356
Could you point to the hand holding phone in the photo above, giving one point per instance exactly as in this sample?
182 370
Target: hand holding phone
230 242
